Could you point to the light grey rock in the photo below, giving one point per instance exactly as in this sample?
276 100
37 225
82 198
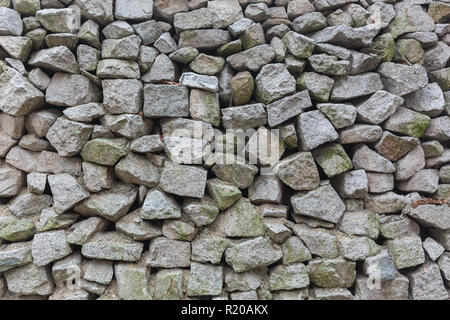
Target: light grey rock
112 245
380 267
410 18
134 168
266 189
426 283
132 281
149 31
99 11
202 82
59 20
314 129
225 12
111 204
48 247
96 177
103 151
67 192
388 202
68 137
197 19
352 184
223 193
392 227
244 117
367 159
357 248
57 58
360 223
116 68
209 246
429 215
330 209
251 254
288 107
20 96
298 45
433 249
158 205
36 182
346 36
69 90
15 255
380 106
290 277
29 280
204 280
380 182
360 133
204 39
429 100
406 251
133 10
165 253
425 180
319 241
394 147
332 159
11 22
165 101
98 271
82 231
349 87
402 79
252 59
438 128
183 180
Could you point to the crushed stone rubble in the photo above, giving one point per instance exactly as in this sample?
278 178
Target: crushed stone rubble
225 149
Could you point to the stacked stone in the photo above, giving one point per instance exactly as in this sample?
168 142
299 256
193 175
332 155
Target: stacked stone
96 203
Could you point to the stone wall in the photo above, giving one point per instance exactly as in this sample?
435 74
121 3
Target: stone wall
227 149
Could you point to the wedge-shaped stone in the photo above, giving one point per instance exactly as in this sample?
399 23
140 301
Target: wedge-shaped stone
346 36
58 58
67 192
252 59
322 203
380 106
111 204
19 96
158 205
367 159
332 159
299 171
236 172
223 193
350 87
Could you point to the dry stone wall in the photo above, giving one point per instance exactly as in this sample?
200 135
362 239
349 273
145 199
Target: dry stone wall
227 149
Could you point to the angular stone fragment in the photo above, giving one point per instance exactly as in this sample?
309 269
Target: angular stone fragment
332 159
346 36
223 193
209 246
433 249
112 245
288 107
82 231
158 205
98 271
100 11
273 82
360 223
252 59
290 277
15 255
19 96
429 100
59 20
331 273
111 204
204 39
252 254
57 58
116 68
369 160
165 253
183 180
388 202
406 251
349 87
134 168
380 106
426 283
67 192
319 86
225 12
314 129
68 137
352 184
70 90
133 10
241 220
410 18
439 128
402 79
322 203
11 181
103 151
49 246
205 106
266 189
204 280
11 24
29 279
425 180
244 117
165 101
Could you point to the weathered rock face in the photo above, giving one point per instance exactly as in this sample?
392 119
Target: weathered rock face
224 149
